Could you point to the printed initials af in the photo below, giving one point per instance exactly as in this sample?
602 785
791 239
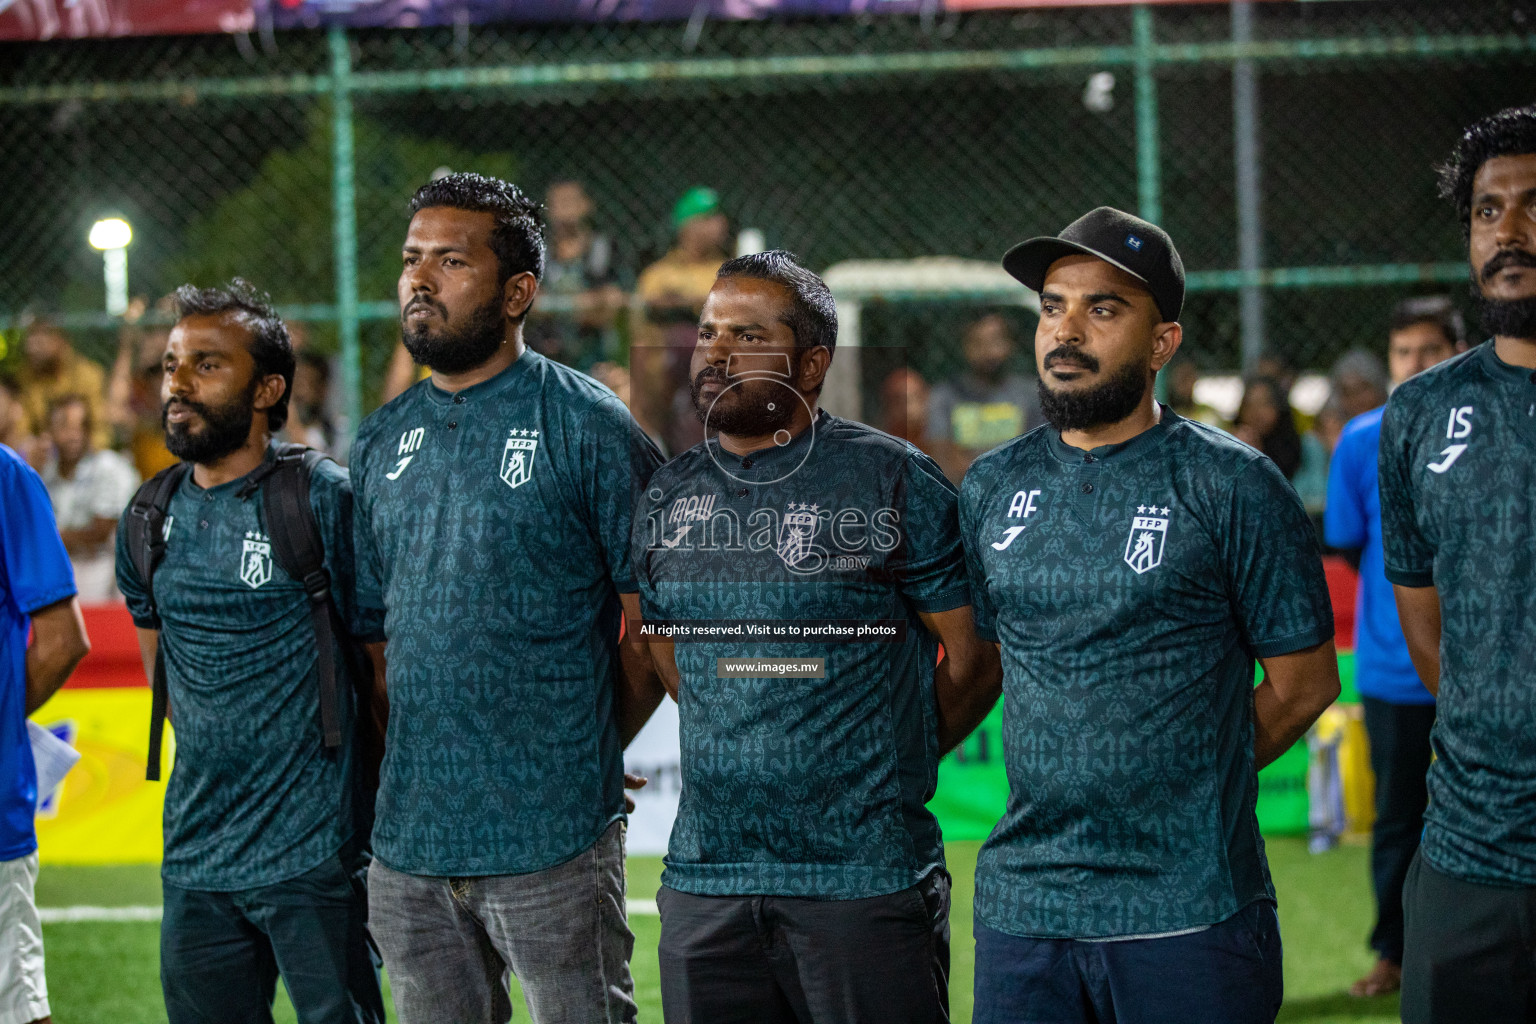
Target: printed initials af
1144 546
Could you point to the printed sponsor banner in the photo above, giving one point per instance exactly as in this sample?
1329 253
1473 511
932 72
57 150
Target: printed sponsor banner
84 19
94 19
104 812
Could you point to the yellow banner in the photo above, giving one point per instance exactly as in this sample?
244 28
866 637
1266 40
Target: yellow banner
104 812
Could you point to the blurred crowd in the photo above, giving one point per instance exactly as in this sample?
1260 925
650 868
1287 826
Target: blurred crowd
95 432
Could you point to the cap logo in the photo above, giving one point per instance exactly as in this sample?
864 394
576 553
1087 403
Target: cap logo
1133 243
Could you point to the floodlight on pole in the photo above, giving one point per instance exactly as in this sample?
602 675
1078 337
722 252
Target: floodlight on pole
111 235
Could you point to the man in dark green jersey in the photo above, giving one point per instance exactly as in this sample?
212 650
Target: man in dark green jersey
1133 564
493 512
265 828
1458 515
805 877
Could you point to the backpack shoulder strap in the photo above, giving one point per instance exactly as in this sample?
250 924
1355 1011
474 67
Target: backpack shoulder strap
299 549
146 547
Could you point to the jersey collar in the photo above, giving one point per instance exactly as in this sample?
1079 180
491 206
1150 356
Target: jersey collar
1124 451
1498 369
486 388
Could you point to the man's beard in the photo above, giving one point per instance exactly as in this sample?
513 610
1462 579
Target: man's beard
1110 401
225 429
454 351
1507 318
753 408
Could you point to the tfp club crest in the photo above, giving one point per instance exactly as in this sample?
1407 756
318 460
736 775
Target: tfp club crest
517 457
797 532
1144 547
255 560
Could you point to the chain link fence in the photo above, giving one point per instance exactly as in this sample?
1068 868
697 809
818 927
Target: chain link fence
875 137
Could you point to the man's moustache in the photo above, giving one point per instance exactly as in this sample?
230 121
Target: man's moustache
1504 259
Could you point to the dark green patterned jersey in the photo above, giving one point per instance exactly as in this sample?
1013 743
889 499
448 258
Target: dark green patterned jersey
493 528
254 796
1458 512
804 786
1131 588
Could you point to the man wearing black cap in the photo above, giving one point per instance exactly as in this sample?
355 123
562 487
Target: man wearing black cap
1132 565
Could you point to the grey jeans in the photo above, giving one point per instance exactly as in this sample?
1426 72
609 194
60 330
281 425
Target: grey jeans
450 943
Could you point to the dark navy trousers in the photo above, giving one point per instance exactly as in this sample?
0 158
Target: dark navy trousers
1226 974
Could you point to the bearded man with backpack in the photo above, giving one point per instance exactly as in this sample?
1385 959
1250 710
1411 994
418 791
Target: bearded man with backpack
237 566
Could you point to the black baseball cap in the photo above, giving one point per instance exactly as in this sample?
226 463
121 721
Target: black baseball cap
1138 247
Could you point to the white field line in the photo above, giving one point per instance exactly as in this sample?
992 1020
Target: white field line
98 915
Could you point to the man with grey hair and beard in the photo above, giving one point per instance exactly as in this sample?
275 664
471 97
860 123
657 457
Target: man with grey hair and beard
805 876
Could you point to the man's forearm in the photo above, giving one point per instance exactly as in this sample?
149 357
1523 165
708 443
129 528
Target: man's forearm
58 645
965 697
1418 609
1296 689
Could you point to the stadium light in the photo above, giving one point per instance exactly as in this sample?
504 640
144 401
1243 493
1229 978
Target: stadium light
111 235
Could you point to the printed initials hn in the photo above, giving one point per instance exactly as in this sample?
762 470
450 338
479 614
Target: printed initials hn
410 441
1457 427
1022 507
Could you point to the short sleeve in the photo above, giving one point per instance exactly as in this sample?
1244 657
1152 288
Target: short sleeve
971 489
331 500
1344 517
133 589
1409 557
367 577
1274 566
640 542
617 461
930 569
37 569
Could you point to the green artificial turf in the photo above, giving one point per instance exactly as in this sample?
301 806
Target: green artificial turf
109 972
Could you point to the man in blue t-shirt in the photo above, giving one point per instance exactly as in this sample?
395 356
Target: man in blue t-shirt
37 592
1399 712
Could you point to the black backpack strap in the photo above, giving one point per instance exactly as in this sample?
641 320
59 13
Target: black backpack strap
299 549
146 546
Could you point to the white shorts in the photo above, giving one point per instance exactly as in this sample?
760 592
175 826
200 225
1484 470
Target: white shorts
23 989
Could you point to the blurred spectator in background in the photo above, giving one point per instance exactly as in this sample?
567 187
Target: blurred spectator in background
37 596
1399 711
133 392
984 405
614 376
1263 422
89 488
1329 423
401 374
50 369
309 421
574 319
1183 375
904 399
671 293
15 426
1358 382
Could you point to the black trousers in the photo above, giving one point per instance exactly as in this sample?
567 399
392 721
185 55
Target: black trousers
785 960
221 952
1400 757
1471 951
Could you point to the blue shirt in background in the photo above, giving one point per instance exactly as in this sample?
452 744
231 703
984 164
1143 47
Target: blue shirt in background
34 573
1352 520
